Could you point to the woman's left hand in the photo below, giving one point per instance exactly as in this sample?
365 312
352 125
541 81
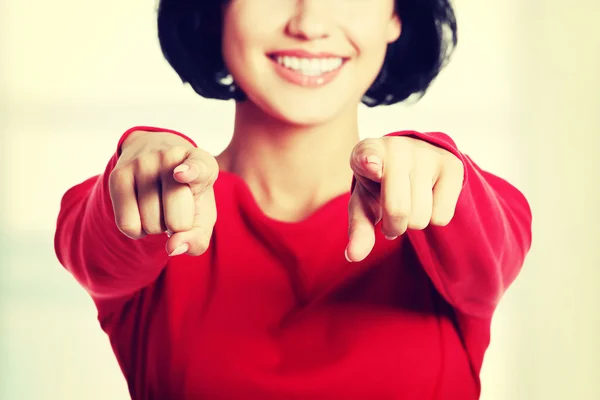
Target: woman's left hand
405 182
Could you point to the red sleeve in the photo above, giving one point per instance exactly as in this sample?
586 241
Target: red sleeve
474 259
88 244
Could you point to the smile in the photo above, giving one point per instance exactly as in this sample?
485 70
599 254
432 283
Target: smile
310 66
306 69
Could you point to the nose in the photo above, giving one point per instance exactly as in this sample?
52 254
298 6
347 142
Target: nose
310 21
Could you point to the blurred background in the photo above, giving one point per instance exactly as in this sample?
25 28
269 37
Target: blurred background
521 97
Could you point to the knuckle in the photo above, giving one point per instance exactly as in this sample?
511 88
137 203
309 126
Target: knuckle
204 173
151 220
393 229
174 155
180 225
118 175
397 216
358 149
353 224
147 162
363 147
398 143
153 229
130 230
397 212
208 168
369 142
421 173
418 224
439 220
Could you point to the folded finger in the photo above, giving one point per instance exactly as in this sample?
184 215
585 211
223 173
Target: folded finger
124 201
177 204
396 199
196 240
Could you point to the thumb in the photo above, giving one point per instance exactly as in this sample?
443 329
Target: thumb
198 169
367 159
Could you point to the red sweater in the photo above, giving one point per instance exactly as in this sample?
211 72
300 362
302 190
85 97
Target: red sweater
274 311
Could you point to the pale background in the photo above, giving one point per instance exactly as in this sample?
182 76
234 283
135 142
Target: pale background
521 97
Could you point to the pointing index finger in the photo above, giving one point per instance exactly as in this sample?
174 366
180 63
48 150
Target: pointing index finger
361 228
198 169
367 159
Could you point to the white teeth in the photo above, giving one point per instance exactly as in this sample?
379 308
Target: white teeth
310 66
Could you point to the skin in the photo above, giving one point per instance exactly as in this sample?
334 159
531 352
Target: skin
286 130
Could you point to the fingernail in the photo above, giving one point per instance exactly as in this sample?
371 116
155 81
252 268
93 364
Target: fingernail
181 168
346 255
391 237
180 250
373 160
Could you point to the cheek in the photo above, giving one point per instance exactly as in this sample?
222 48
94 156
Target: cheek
234 35
369 30
240 30
372 45
246 33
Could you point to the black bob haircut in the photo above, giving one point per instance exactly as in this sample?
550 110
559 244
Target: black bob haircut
189 32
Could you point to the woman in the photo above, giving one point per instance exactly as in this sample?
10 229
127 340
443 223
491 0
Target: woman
320 279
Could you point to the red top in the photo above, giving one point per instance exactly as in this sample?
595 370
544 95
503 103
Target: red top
274 311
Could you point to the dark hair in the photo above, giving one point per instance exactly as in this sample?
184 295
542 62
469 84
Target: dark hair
189 32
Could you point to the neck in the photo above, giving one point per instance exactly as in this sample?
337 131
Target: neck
291 170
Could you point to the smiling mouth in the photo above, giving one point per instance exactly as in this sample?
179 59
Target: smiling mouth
309 66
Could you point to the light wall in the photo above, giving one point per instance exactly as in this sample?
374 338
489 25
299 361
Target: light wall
520 97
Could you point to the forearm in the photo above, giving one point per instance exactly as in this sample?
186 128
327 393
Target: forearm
474 259
88 243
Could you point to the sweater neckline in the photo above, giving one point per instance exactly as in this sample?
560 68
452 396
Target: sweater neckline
251 205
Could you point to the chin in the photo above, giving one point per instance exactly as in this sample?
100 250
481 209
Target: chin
307 109
307 115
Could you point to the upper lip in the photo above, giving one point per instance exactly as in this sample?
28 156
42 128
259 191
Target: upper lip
300 53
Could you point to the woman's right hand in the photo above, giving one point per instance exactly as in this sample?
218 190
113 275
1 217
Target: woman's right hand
163 183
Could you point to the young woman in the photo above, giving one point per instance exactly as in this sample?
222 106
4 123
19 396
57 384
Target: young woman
321 278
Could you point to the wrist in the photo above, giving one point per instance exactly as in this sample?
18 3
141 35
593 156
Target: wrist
139 135
137 139
131 138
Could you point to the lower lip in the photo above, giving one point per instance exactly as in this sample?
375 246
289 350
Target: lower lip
299 79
